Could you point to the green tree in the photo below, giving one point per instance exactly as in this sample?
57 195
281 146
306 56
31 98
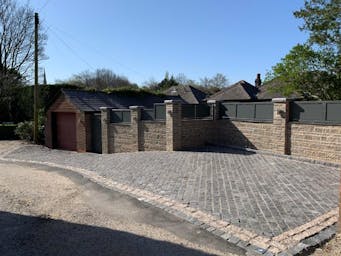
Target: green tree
314 67
166 83
10 82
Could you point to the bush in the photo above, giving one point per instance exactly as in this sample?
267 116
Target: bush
24 130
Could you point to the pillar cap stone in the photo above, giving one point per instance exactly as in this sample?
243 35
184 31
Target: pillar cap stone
135 107
103 108
212 101
172 101
279 100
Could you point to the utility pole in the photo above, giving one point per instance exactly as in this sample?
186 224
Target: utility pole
36 94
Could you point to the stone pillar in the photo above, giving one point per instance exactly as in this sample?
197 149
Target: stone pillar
280 123
105 122
214 108
339 222
173 125
135 112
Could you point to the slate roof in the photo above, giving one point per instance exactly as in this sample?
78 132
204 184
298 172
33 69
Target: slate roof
88 101
240 91
189 94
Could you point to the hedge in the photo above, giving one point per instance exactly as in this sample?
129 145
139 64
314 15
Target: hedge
7 132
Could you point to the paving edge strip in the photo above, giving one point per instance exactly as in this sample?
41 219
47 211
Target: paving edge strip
291 242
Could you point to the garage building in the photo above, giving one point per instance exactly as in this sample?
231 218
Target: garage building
73 120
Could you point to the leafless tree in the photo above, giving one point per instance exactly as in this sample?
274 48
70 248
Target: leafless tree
17 37
182 79
151 83
218 80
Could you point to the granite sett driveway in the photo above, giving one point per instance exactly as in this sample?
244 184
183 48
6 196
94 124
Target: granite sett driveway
271 197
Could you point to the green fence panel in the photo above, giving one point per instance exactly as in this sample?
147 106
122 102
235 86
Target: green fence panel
195 111
333 112
160 111
156 113
188 111
228 110
248 111
264 111
120 116
202 111
126 116
316 111
148 114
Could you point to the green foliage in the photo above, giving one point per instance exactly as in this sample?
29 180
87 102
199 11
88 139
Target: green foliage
322 20
20 107
10 82
24 129
7 131
138 92
166 83
313 68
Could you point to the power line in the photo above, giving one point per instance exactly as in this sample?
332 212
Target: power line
44 5
71 49
99 53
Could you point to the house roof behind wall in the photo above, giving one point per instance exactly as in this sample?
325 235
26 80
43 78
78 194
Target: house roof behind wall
241 90
189 94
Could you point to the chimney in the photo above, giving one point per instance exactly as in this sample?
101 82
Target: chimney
258 81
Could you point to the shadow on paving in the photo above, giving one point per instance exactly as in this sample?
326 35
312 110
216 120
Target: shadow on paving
26 235
221 149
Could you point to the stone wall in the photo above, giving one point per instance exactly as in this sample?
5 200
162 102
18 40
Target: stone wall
321 142
196 133
226 132
121 138
135 136
81 132
153 136
245 134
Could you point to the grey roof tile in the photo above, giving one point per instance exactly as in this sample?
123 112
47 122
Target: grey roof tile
88 101
241 90
189 94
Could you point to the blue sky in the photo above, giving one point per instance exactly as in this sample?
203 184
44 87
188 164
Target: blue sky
142 39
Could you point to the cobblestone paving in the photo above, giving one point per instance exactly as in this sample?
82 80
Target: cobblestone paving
262 193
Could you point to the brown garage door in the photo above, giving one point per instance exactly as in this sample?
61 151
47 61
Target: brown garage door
65 124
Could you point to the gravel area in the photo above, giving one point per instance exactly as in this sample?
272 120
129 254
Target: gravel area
45 213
